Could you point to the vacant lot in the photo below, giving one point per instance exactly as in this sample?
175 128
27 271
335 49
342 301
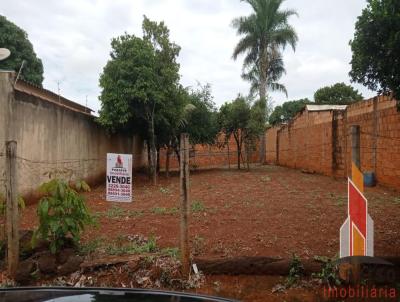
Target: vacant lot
269 211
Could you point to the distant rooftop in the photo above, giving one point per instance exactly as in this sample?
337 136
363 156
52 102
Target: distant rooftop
325 107
50 96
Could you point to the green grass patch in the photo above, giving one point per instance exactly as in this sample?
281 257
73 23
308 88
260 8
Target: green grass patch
164 211
171 252
197 206
165 190
132 247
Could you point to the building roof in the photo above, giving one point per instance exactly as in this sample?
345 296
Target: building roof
50 96
325 107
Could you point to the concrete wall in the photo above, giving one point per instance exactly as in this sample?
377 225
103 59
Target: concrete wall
321 141
53 140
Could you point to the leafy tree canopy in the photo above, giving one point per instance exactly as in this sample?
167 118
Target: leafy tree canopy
376 47
243 121
202 123
264 33
287 111
16 40
337 94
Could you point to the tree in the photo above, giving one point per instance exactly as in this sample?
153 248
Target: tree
287 111
244 122
16 40
265 32
376 46
140 83
201 121
337 94
275 71
233 118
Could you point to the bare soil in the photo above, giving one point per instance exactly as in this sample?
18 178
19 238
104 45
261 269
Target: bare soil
269 211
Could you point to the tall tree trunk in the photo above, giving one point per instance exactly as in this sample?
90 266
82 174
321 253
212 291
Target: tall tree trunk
263 96
153 151
239 149
169 151
177 152
148 159
158 159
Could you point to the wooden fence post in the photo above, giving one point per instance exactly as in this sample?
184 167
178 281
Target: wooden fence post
355 145
12 209
184 188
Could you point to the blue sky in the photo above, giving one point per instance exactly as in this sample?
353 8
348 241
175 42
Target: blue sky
73 40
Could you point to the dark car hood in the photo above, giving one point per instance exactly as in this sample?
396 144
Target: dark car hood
56 294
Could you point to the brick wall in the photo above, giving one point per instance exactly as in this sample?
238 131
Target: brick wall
210 156
320 141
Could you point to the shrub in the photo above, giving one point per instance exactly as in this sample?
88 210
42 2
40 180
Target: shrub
62 213
329 273
296 270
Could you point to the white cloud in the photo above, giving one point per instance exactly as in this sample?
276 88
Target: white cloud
73 40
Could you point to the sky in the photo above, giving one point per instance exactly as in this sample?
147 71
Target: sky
73 40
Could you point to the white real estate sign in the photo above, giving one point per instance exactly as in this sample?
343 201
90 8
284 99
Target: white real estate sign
119 177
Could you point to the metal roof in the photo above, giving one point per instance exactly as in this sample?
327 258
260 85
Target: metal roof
325 107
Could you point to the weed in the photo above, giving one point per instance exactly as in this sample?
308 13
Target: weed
265 178
198 245
329 272
198 206
149 246
115 212
164 211
396 200
135 213
165 190
296 270
171 252
90 247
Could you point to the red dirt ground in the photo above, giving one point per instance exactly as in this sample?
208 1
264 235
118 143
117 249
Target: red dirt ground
269 211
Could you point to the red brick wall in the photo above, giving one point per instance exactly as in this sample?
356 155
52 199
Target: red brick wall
209 156
321 141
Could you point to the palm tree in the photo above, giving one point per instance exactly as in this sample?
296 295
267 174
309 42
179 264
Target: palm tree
264 33
274 73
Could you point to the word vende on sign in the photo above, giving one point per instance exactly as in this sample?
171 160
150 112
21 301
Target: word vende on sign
119 177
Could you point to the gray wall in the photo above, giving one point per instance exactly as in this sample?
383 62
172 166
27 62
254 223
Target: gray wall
56 141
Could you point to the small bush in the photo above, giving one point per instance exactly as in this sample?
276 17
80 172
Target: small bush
62 214
296 270
198 206
329 273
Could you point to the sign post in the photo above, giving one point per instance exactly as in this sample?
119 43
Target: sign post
119 177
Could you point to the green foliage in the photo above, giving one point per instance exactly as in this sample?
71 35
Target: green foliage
3 205
243 121
91 246
337 94
172 252
62 214
16 40
276 69
329 272
287 111
164 211
265 33
197 206
296 270
201 125
376 46
150 246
